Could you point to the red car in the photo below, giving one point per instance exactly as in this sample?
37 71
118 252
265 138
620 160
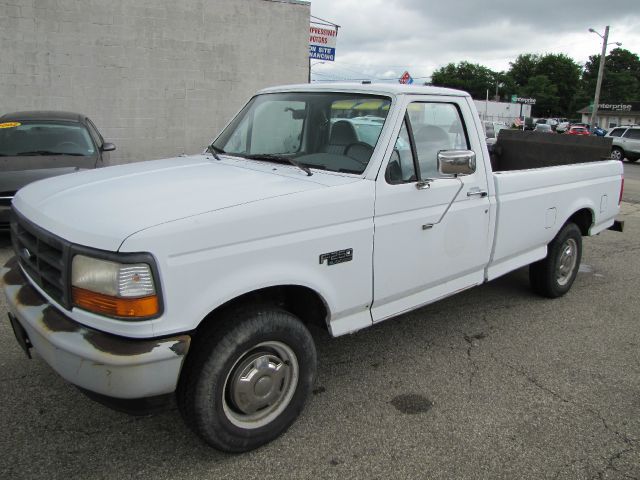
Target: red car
578 131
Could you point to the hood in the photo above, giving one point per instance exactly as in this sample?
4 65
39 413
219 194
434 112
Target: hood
100 208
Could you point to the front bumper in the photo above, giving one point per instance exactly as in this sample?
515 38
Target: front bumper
96 361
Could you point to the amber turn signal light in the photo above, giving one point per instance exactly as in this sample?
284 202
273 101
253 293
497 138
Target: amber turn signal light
115 306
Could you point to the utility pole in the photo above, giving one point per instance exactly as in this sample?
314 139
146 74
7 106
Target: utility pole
596 100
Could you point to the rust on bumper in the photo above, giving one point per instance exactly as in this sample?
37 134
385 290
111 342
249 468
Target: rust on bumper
91 359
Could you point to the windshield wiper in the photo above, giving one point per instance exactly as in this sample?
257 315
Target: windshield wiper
215 151
279 158
48 152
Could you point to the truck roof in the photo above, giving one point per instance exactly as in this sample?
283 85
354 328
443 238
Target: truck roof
375 88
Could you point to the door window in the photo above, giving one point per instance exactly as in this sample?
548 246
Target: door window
617 132
435 127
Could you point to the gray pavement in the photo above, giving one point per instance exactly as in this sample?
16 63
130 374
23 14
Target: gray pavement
492 383
631 182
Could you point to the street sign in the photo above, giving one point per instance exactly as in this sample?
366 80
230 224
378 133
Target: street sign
514 98
406 78
322 42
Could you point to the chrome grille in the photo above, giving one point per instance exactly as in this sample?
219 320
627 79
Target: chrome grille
43 256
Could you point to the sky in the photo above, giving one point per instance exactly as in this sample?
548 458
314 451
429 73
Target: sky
380 39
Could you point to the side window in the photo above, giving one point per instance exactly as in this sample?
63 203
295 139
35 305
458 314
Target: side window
435 127
633 134
401 168
617 132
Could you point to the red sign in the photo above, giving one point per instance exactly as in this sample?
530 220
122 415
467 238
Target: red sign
406 78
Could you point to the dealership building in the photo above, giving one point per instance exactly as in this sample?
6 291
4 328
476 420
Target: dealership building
613 114
158 78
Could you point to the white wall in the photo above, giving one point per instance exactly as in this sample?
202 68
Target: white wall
501 111
158 77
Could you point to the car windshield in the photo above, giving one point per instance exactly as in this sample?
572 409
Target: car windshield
44 138
328 130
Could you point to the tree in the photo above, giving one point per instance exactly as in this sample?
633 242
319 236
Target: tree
621 81
524 67
473 78
564 73
545 92
555 92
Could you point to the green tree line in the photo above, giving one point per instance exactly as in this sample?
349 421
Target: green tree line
559 84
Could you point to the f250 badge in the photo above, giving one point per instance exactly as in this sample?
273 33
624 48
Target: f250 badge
339 256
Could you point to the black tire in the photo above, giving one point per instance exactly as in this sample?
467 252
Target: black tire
236 354
617 153
553 276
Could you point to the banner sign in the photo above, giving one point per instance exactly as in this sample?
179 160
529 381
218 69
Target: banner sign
322 42
619 107
526 101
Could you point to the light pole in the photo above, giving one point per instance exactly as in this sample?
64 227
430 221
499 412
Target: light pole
596 100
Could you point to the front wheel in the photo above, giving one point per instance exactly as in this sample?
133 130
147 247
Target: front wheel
553 276
247 380
617 154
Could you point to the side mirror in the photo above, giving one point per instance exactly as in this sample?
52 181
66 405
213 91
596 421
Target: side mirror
456 162
108 147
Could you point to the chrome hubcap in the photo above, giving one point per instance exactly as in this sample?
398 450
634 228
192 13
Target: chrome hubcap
567 261
616 155
260 385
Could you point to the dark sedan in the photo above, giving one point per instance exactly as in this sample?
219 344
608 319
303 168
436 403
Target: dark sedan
39 144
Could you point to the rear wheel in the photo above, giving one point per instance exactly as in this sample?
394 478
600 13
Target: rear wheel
553 276
617 153
246 382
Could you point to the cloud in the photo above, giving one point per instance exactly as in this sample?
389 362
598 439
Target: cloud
377 37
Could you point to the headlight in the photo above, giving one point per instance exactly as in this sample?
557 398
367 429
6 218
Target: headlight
111 288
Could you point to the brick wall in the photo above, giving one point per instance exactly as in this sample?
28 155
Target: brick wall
158 78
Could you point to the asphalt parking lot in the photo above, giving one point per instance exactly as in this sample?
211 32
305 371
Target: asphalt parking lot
492 383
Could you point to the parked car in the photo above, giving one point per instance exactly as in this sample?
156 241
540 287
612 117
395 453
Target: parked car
626 142
578 130
563 126
599 132
41 144
198 276
543 128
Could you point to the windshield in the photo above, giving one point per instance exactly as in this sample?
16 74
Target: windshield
329 131
45 138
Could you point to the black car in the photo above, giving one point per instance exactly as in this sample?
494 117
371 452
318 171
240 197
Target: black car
41 144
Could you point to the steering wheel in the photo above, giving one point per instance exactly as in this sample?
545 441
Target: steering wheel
359 151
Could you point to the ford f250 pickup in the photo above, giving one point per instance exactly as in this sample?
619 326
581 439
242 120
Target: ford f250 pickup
339 205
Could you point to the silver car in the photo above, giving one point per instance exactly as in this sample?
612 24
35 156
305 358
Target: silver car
626 142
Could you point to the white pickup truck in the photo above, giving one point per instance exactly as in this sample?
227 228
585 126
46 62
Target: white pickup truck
339 205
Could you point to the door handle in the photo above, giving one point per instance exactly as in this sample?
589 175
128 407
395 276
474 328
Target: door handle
476 192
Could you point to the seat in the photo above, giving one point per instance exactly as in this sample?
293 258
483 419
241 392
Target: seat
343 133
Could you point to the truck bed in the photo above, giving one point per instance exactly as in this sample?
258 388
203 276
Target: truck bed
533 204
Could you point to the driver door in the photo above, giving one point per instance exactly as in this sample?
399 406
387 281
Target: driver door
431 232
